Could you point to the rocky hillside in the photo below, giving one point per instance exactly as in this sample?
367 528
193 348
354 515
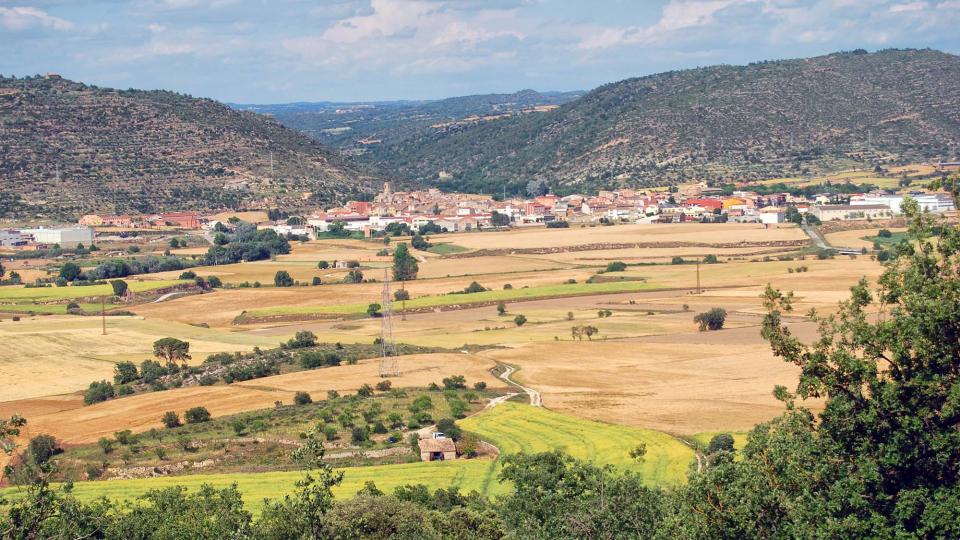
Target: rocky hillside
67 148
768 119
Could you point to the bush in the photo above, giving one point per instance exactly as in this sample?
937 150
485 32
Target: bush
97 392
558 225
458 408
282 279
119 287
520 320
884 233
711 320
384 386
359 435
401 295
480 386
449 429
507 286
301 340
315 281
189 274
711 259
720 442
302 398
125 372
214 282
373 310
43 447
313 360
170 419
197 415
474 287
456 382
365 391
353 276
677 260
323 265
616 266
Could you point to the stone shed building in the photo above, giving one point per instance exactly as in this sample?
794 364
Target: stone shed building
440 449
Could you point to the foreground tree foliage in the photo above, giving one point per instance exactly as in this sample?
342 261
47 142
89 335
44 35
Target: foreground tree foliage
881 461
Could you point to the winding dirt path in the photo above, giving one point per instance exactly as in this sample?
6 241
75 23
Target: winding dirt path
535 398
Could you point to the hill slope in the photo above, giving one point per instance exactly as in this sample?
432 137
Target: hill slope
67 148
725 122
355 128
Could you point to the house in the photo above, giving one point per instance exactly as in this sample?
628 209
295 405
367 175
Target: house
771 215
438 449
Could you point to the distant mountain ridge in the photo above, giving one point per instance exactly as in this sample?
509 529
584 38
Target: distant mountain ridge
353 127
720 123
67 148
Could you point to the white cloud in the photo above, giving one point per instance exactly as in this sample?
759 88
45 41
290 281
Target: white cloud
24 18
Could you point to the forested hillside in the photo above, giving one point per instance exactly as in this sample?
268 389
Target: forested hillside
766 119
67 148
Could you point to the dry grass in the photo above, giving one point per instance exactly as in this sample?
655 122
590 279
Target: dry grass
140 412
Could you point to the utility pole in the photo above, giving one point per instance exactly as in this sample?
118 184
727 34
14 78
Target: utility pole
698 276
103 313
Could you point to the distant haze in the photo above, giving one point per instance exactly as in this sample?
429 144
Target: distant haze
277 51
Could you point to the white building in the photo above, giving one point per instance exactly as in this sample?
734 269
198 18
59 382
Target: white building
67 238
772 215
936 203
12 238
893 202
846 212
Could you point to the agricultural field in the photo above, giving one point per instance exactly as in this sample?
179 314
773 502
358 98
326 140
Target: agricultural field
514 427
643 374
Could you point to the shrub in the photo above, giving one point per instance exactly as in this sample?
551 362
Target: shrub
302 398
449 428
480 386
507 287
197 415
383 386
711 320
124 437
43 447
170 419
313 359
105 444
323 265
125 372
97 392
119 287
373 310
458 408
330 432
379 428
884 233
353 276
456 382
711 259
189 274
315 281
616 266
359 435
677 260
520 320
365 391
720 442
474 287
301 340
282 279
401 295
214 282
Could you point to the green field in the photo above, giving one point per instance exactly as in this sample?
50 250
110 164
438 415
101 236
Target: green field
446 249
895 238
531 293
513 427
16 294
51 309
520 428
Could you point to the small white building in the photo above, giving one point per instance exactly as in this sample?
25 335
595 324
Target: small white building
771 215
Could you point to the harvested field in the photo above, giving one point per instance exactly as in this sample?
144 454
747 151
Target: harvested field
142 411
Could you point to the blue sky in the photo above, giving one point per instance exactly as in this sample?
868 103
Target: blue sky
271 51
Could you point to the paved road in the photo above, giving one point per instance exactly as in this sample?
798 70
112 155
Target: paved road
822 243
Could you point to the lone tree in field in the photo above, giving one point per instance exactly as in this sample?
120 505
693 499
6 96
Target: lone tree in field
405 265
119 287
711 320
520 320
282 279
373 310
171 350
501 308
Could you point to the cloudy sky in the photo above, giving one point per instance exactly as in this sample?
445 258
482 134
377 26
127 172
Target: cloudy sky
270 51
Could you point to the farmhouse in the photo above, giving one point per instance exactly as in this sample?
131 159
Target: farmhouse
439 449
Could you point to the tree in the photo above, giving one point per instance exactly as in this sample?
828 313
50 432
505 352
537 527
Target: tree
353 276
171 350
589 331
474 287
500 220
196 415
170 419
125 372
401 295
282 279
721 442
373 310
711 259
301 340
43 447
97 392
885 233
677 260
220 239
711 320
405 265
520 320
214 282
323 265
449 428
454 382
417 241
501 308
70 271
119 287
616 266
302 398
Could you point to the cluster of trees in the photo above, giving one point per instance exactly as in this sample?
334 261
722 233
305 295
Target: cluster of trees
713 319
246 243
118 268
579 331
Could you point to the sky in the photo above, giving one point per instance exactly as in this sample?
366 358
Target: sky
277 51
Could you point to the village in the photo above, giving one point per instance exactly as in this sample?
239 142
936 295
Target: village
463 212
